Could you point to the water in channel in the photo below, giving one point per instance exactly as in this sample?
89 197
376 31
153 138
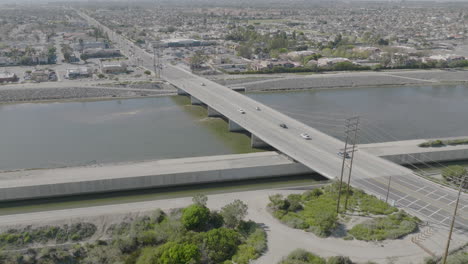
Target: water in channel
45 135
387 113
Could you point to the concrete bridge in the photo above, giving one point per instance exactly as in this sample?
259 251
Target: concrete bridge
370 173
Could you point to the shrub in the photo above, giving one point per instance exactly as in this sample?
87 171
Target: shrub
339 260
309 195
220 244
234 212
216 220
278 203
294 221
149 237
300 256
157 216
147 72
172 252
254 245
195 217
294 203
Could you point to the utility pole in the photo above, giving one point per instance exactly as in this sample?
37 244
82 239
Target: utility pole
350 123
453 219
388 188
354 142
157 59
154 62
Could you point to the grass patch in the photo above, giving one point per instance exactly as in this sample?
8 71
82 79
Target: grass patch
315 211
393 226
442 143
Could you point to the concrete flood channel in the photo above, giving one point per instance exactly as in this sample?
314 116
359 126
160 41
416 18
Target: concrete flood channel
81 133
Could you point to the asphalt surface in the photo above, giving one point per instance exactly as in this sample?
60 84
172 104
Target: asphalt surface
431 202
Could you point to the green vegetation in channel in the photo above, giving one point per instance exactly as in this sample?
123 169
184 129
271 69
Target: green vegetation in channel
455 174
441 143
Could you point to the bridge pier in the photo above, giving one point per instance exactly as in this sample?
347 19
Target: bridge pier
181 92
234 127
195 101
238 88
256 142
213 113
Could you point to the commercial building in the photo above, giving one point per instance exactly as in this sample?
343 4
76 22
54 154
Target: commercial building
113 68
40 76
79 72
8 77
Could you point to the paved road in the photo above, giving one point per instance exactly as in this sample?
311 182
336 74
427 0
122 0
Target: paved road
370 173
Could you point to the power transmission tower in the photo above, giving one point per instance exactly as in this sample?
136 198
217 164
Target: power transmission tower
351 125
157 59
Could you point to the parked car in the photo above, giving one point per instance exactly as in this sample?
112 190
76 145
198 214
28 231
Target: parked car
203 84
283 125
258 108
346 154
305 136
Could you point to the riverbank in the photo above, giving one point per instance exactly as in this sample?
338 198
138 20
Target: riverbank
94 90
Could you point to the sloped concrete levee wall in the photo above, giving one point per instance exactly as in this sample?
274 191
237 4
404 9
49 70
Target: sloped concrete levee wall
143 182
429 157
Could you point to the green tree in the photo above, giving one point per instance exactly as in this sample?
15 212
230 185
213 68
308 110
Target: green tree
220 244
195 217
175 253
234 213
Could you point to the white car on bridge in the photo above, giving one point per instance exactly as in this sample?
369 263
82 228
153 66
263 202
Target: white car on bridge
305 136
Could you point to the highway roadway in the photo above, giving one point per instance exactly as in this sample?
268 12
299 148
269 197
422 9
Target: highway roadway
429 201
